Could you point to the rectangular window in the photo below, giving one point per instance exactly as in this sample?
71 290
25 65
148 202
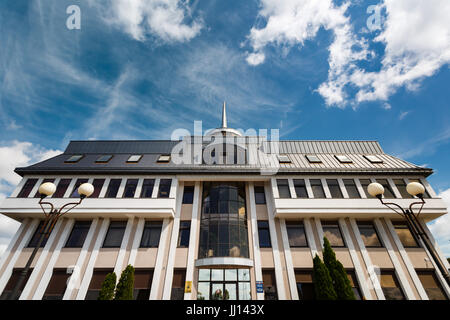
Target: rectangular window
98 276
264 234
183 236
388 193
37 194
282 158
269 284
113 188
335 189
104 158
13 279
134 158
300 188
354 284
115 234
164 158
98 185
188 195
333 233
431 285
283 188
164 188
305 285
343 159
74 158
78 234
27 187
352 189
61 188
260 196
151 234
296 234
389 285
147 188
406 237
317 189
364 184
401 187
142 283
313 159
130 188
369 235
57 285
37 234
178 282
373 159
79 182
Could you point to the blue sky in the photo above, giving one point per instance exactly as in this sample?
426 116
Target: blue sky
139 70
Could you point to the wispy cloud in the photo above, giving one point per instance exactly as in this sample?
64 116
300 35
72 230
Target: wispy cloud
428 145
403 114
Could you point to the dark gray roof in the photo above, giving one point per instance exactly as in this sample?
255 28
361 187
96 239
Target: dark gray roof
151 149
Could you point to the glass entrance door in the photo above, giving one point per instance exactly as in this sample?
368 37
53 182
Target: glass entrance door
224 284
223 290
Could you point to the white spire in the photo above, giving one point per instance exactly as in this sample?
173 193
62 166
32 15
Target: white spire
224 116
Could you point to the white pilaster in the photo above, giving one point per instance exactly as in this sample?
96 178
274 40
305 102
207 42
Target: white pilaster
70 188
35 188
343 189
156 188
136 241
292 188
289 264
310 236
123 248
18 188
104 189
309 189
326 190
137 193
158 272
123 182
319 230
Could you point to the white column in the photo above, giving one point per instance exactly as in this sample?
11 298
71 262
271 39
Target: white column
40 262
30 226
310 236
136 241
398 268
104 189
343 189
137 193
397 193
256 251
274 187
70 188
35 188
173 245
193 238
123 248
358 269
361 190
289 263
367 261
292 188
325 188
155 188
90 267
18 188
121 187
319 231
74 281
308 188
45 278
158 271
275 249
412 272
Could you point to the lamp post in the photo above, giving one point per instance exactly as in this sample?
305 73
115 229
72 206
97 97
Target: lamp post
47 189
415 189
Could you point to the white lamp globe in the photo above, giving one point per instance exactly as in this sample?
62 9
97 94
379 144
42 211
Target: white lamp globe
375 189
86 189
415 188
47 189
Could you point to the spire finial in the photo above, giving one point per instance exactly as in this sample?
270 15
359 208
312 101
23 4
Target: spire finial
224 116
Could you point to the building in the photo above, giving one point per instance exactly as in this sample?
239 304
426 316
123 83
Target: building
247 223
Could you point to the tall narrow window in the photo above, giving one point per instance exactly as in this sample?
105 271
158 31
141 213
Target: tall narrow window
78 234
151 234
296 234
37 194
78 183
164 188
183 236
178 282
333 233
369 235
113 188
317 189
142 283
260 197
401 187
98 276
98 185
13 279
27 187
115 234
388 193
269 284
130 188
188 195
431 285
354 284
300 188
147 188
61 188
390 286
305 285
406 237
335 189
264 234
283 188
57 285
351 188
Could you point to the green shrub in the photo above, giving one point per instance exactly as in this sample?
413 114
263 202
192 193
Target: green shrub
108 287
125 286
323 285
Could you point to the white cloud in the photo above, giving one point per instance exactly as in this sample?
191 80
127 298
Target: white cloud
164 18
403 115
416 35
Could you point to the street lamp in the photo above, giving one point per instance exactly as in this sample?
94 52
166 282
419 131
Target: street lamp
47 189
417 190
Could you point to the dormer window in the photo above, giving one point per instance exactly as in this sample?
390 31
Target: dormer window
164 158
373 159
75 158
313 158
343 159
104 158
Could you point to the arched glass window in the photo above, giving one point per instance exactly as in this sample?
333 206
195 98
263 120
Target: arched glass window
223 228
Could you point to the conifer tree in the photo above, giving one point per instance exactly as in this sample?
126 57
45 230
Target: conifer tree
125 287
341 282
108 287
323 285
